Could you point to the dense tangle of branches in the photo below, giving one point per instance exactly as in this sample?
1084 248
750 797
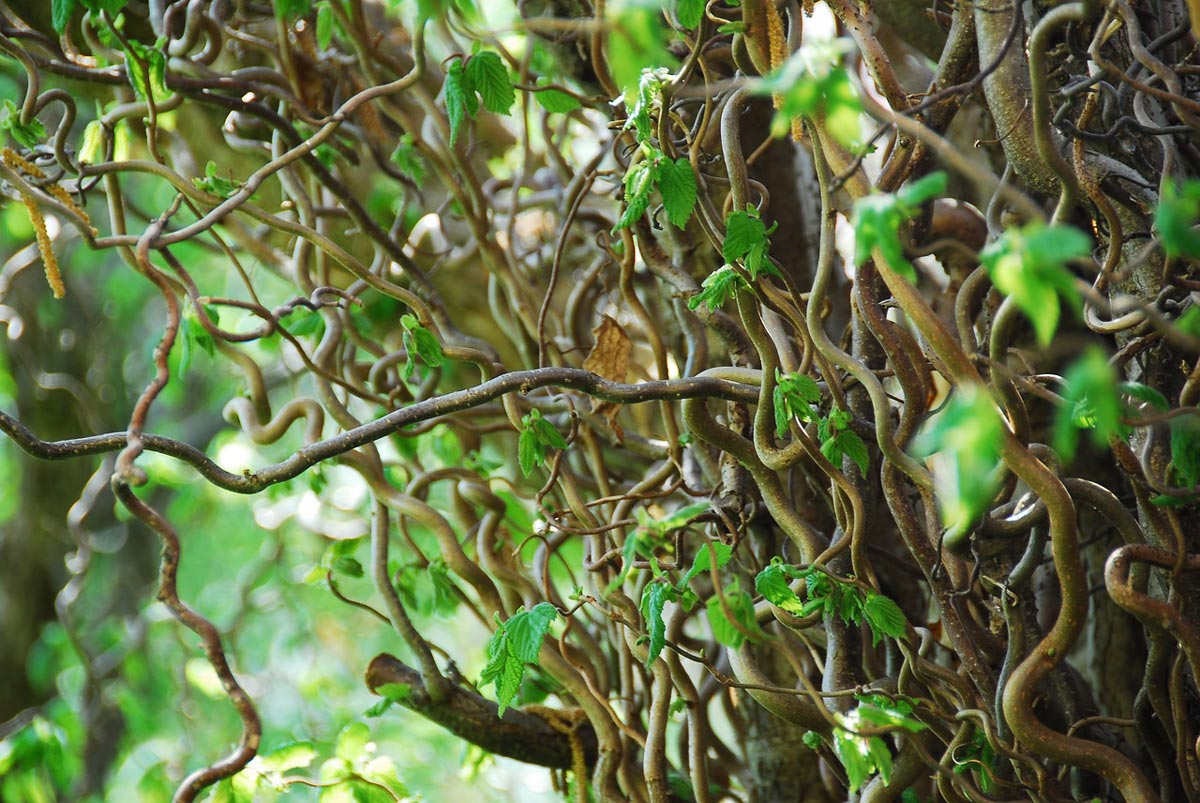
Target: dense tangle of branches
508 252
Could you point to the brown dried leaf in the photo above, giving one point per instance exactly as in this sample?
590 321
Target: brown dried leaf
609 358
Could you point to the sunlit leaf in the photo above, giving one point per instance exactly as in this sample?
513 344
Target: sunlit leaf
489 77
1177 217
677 185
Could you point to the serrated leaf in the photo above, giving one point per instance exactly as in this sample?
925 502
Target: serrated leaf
1029 264
60 14
717 288
29 134
214 184
529 451
489 77
850 751
146 67
773 583
428 347
654 598
741 608
703 561
812 84
527 629
877 220
548 434
884 617
677 186
851 445
459 97
744 233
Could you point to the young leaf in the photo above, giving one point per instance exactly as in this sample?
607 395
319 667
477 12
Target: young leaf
1145 393
677 186
966 435
1029 264
216 185
689 13
877 220
746 239
636 41
555 101
639 183
460 98
849 444
773 583
1091 403
812 84
147 69
409 159
1176 219
884 617
28 135
489 77
516 643
704 560
60 14
654 598
716 289
324 25
741 608
1185 449
537 436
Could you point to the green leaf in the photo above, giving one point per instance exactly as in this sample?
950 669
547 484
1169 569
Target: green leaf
811 739
654 598
548 434
1176 219
529 451
1185 449
29 134
717 288
704 560
527 629
424 344
773 582
1091 403
851 751
516 643
111 6
409 159
966 435
689 13
636 40
352 741
884 617
146 67
811 84
741 607
489 77
1029 264
746 239
677 185
1145 393
555 101
289 757
877 220
292 9
639 183
459 97
305 322
60 14
794 397
676 519
849 444
214 184
324 25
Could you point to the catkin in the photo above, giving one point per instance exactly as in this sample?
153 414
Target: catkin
53 275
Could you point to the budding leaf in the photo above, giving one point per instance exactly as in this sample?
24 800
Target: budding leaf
460 98
489 77
677 186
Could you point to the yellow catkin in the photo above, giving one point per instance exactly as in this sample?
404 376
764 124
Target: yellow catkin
53 275
777 43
